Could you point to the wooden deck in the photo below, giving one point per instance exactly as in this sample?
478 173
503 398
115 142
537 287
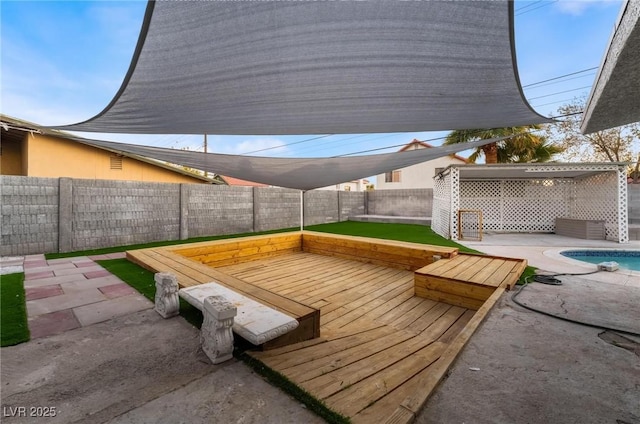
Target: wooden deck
378 341
384 322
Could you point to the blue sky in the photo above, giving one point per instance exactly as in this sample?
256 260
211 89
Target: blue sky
62 62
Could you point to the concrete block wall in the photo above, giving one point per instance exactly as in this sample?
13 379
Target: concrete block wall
275 208
320 207
116 213
42 215
29 222
219 210
409 202
351 203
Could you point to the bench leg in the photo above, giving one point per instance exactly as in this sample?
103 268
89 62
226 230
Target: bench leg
167 302
216 334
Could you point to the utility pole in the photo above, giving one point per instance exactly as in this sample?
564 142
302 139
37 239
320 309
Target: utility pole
206 174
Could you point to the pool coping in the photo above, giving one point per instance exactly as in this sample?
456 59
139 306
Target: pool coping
558 256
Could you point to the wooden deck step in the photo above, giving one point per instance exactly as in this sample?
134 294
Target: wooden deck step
467 280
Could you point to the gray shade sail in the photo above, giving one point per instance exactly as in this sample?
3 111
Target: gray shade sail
303 174
318 67
615 96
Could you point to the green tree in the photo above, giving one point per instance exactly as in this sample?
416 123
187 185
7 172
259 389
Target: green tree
612 145
522 146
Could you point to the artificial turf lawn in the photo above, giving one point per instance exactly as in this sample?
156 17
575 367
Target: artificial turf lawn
402 232
142 280
14 328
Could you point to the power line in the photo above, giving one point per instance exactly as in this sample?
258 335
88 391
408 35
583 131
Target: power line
560 82
349 138
561 76
567 115
288 144
528 5
553 103
536 8
560 92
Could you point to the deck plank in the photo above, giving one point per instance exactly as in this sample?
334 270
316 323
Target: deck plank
357 397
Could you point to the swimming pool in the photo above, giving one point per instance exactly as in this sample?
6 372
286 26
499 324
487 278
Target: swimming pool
627 259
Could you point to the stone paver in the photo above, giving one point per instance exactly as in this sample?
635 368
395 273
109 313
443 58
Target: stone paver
34 293
33 263
52 323
85 264
117 290
67 293
11 260
97 274
30 275
11 264
79 270
94 283
62 302
55 267
53 280
106 310
11 269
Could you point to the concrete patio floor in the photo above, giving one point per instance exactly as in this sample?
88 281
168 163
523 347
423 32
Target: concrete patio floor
525 367
519 367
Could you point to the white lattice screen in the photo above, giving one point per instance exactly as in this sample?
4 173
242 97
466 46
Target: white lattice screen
510 205
532 205
441 208
596 197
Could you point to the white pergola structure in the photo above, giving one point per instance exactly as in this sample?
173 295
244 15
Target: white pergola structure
528 198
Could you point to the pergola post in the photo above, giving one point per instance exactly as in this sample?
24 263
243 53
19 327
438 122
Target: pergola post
623 219
454 187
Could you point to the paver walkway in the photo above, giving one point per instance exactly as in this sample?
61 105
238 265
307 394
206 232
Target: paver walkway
63 294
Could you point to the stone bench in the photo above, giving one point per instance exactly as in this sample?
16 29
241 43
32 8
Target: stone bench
224 311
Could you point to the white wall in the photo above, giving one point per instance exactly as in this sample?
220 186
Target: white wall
417 176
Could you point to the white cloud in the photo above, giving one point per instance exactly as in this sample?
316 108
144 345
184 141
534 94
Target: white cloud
577 8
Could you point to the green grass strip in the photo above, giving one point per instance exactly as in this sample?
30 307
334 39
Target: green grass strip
401 232
118 249
528 272
142 280
14 328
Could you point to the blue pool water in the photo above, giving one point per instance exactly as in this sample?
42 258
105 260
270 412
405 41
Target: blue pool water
627 259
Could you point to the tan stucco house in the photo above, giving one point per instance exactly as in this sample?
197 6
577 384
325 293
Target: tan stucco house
419 175
30 150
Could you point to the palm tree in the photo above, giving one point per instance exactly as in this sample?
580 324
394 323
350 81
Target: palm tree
541 152
524 146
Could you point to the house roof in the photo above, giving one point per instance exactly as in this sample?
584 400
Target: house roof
532 171
14 125
424 144
615 97
238 182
